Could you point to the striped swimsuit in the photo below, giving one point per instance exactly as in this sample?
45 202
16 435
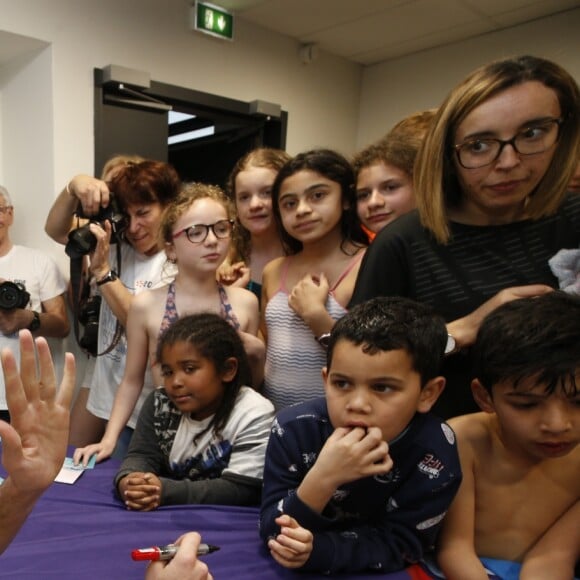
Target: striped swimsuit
294 359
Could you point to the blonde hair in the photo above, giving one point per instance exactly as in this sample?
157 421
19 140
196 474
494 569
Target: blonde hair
190 193
267 158
435 181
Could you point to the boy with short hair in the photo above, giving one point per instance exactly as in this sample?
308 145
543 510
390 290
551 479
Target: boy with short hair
361 479
518 502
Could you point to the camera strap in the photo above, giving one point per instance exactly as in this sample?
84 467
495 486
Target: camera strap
79 289
80 292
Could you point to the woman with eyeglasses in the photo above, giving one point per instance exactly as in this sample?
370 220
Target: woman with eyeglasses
492 206
195 231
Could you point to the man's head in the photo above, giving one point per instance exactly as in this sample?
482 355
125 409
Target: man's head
6 215
527 369
383 364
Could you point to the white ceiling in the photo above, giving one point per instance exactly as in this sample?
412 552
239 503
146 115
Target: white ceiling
371 31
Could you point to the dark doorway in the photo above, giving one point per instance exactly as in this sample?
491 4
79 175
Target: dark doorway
140 125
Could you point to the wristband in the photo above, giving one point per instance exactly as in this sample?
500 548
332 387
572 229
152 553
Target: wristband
110 277
451 346
35 322
323 339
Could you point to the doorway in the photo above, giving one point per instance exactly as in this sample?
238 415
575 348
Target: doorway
222 129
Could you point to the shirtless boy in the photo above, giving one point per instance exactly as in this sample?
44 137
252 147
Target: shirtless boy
520 458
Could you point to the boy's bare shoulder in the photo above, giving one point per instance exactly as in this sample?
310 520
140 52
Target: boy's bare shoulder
473 431
472 426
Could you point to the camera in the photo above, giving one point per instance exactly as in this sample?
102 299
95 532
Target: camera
89 318
82 242
13 295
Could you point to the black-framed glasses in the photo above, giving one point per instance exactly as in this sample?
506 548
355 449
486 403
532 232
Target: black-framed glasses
536 138
4 209
197 233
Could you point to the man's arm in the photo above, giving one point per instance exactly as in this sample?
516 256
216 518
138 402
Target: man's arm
34 444
555 554
456 546
185 565
54 318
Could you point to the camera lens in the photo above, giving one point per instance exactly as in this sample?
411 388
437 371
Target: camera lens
13 295
80 242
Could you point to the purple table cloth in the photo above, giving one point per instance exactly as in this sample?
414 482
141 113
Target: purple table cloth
84 531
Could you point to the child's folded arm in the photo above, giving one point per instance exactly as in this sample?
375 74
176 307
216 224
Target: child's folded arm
406 530
384 546
557 551
144 454
354 548
229 489
391 544
279 483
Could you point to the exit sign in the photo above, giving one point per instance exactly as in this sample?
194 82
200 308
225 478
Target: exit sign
213 20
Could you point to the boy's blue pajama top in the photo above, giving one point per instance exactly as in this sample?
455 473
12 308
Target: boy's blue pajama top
381 523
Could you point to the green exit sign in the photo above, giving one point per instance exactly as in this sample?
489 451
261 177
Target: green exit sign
213 20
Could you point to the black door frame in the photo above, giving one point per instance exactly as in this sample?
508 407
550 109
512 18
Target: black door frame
229 114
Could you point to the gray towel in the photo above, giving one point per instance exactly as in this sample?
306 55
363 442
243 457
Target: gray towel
566 267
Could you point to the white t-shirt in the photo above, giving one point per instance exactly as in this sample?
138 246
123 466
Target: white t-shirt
241 445
43 280
138 273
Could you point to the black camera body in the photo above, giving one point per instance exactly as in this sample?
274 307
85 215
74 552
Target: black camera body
13 295
82 242
89 318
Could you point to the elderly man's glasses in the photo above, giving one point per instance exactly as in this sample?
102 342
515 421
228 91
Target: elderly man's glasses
536 138
197 233
4 209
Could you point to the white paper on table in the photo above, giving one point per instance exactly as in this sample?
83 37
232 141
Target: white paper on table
70 472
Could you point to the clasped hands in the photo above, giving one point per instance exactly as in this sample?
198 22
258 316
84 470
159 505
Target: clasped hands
140 491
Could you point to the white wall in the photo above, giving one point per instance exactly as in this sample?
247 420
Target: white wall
321 98
49 48
27 143
397 88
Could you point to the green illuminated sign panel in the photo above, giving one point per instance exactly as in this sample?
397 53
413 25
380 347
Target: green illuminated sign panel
214 20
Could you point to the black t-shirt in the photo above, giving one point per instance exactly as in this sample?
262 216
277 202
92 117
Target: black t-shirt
456 278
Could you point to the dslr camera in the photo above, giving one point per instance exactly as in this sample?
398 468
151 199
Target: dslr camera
89 318
82 242
13 295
